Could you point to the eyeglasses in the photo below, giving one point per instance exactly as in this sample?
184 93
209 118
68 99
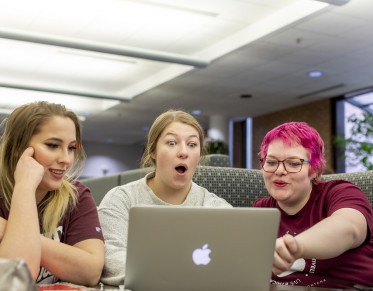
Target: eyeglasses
270 165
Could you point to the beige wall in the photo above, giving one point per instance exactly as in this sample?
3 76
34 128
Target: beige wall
317 114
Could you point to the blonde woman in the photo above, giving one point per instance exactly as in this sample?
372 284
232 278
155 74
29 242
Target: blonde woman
46 218
174 148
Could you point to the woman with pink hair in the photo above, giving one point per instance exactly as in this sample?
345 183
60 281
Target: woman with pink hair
325 237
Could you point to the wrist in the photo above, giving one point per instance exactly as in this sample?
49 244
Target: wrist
300 248
23 195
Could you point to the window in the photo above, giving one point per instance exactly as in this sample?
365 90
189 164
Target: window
353 110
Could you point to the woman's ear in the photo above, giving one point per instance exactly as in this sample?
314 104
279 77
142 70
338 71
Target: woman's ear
313 176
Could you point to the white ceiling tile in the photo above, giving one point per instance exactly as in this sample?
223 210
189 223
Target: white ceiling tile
360 33
296 38
331 23
338 46
357 8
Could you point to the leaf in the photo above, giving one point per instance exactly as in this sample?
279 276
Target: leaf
358 148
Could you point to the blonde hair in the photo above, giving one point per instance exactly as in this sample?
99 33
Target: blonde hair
24 122
159 124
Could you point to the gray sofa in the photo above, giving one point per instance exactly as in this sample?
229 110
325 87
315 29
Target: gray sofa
240 187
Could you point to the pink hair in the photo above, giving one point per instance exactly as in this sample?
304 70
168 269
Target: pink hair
298 133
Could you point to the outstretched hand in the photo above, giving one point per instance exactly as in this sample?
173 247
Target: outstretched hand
28 171
287 250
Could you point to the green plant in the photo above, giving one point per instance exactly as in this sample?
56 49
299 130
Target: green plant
216 147
357 148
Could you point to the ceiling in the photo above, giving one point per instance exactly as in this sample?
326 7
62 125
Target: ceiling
115 62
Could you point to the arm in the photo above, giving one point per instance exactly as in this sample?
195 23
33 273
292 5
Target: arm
72 260
113 214
22 233
345 229
79 264
79 252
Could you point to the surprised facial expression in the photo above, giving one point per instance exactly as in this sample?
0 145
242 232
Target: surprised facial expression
177 155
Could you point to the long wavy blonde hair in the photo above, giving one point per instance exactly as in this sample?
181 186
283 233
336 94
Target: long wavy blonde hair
24 122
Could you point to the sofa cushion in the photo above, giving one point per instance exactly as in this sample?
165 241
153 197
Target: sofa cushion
101 185
217 160
240 187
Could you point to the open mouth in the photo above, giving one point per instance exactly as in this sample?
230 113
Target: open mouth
180 169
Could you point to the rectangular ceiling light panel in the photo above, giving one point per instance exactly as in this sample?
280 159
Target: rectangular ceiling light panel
80 105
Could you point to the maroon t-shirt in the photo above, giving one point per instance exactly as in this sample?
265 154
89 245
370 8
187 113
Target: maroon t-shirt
353 266
78 224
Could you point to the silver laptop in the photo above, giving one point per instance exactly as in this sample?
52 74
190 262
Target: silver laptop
178 248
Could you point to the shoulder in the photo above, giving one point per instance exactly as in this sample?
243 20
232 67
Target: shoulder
85 201
208 198
337 184
132 188
339 188
338 194
126 194
81 188
83 193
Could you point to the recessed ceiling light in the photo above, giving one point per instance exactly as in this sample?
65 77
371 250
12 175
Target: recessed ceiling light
315 74
196 112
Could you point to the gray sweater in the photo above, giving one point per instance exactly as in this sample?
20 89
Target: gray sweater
113 213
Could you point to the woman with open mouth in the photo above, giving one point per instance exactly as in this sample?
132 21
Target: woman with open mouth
174 148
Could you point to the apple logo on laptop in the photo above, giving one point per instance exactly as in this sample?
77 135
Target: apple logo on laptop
201 256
